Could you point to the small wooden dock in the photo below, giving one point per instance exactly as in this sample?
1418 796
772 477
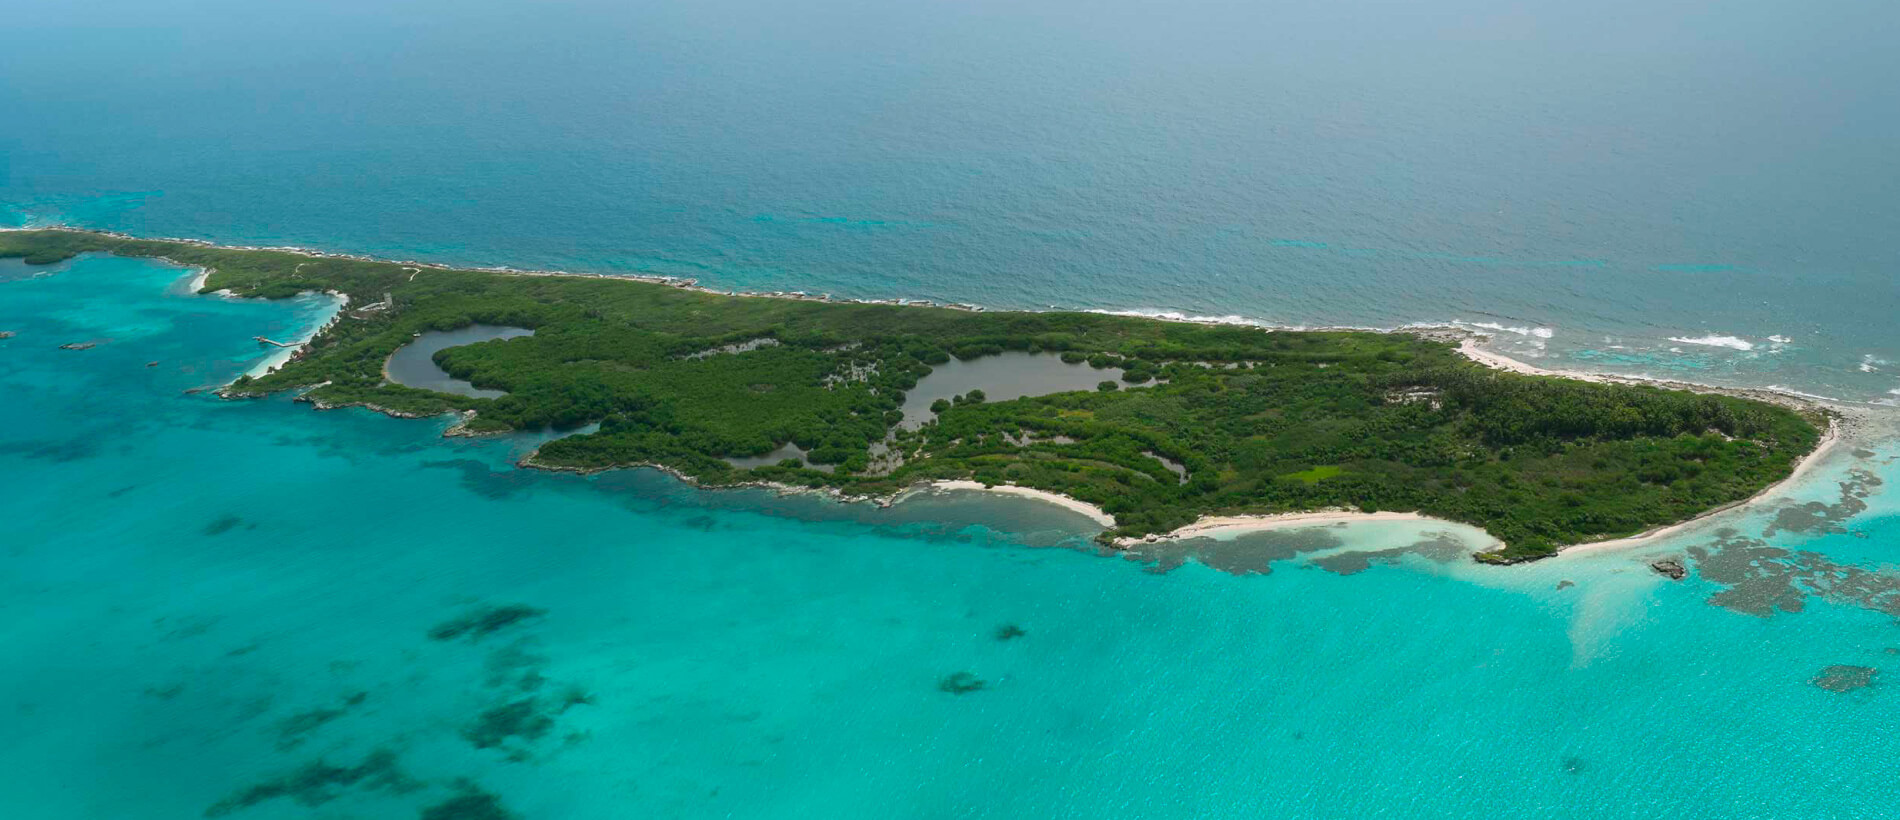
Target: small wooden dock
273 342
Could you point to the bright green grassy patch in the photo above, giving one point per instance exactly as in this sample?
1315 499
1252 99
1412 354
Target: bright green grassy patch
1315 475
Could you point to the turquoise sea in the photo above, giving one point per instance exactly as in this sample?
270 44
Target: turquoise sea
255 610
250 609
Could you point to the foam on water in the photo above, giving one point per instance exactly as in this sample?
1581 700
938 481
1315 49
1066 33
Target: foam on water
1731 342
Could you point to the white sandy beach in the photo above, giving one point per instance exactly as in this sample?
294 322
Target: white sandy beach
283 354
1234 524
1057 499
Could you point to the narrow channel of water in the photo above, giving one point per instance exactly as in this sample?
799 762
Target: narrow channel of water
413 364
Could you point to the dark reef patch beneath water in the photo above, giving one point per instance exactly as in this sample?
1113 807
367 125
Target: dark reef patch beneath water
471 804
529 719
58 452
317 783
522 709
226 523
961 683
1845 678
293 730
483 622
1255 553
482 480
1438 547
1762 580
1821 518
499 723
1252 553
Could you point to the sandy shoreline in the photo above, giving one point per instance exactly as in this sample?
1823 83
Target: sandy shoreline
1214 525
1072 504
284 354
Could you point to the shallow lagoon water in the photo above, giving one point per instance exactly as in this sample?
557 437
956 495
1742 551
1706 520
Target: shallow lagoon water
240 606
1002 377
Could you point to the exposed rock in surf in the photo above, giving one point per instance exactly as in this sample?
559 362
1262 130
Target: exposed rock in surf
1671 567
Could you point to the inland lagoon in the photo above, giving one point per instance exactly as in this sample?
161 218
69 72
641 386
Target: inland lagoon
1001 377
413 364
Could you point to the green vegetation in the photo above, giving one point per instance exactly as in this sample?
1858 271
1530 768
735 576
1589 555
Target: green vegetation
1315 475
1264 421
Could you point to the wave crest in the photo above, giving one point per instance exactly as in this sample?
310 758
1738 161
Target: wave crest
1712 340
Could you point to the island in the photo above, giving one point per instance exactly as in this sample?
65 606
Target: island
1156 423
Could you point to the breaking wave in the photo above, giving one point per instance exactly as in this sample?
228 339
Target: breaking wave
1731 342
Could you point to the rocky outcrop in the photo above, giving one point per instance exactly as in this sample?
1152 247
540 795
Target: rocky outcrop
1671 567
461 429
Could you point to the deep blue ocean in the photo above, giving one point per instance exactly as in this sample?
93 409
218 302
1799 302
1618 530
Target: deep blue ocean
1662 188
250 609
